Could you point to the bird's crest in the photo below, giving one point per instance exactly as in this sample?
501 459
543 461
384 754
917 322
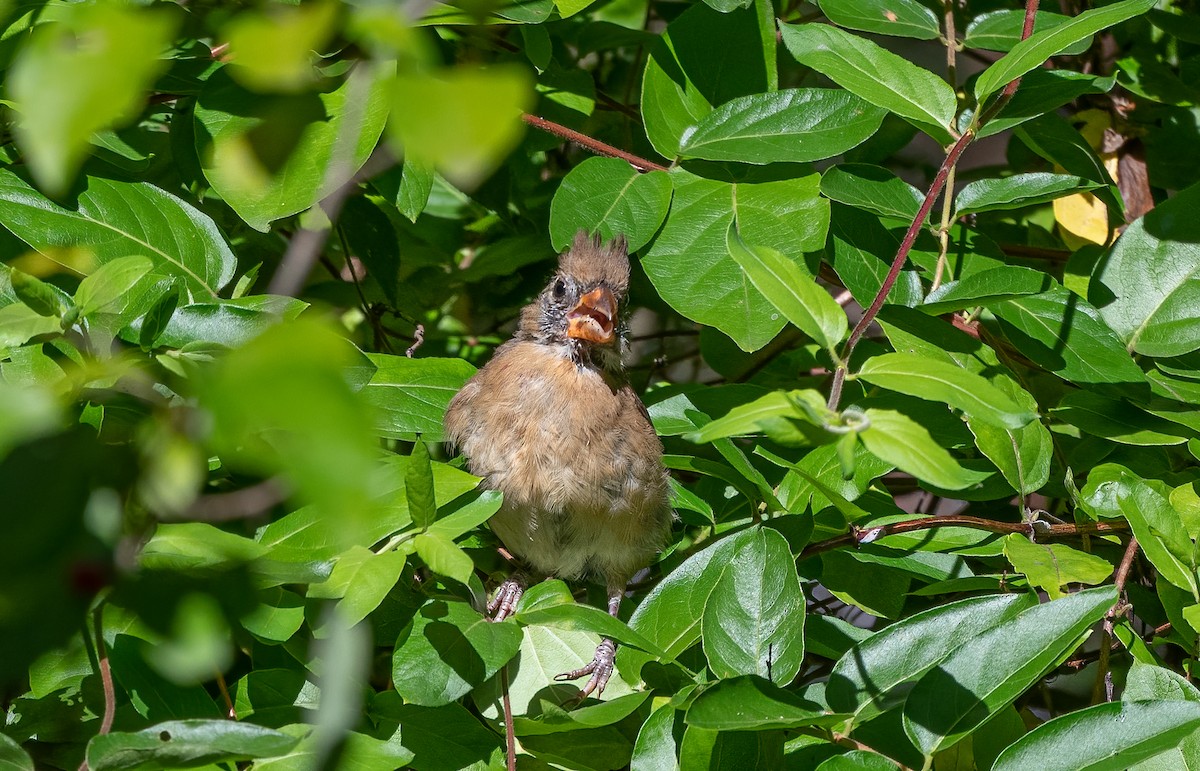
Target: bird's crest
591 261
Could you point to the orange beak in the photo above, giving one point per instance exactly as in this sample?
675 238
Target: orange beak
593 319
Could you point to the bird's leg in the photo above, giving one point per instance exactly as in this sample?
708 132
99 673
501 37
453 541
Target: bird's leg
504 601
604 662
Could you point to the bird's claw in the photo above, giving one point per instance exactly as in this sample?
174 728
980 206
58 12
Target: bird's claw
600 668
504 602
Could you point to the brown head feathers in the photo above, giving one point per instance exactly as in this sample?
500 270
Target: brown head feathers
591 262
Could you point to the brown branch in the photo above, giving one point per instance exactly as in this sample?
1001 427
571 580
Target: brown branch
1104 683
1040 252
587 143
106 680
510 739
860 535
910 237
246 503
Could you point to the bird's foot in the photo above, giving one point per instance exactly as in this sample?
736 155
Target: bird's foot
600 668
504 602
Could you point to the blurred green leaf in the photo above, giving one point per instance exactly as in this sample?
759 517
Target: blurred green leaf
273 50
273 157
88 70
183 743
468 118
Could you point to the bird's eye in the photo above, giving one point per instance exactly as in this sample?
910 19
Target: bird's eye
559 289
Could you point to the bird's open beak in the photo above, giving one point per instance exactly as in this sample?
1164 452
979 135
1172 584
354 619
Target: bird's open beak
593 319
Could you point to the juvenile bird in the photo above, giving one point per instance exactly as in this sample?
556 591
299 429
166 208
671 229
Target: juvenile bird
552 422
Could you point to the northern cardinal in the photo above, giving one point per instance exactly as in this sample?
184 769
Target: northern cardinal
552 422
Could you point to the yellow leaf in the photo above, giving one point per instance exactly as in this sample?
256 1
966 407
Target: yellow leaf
1083 218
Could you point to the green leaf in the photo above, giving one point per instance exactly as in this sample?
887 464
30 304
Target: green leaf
411 395
1017 191
470 117
19 323
574 617
792 291
1040 46
555 720
90 69
360 581
607 196
875 74
989 671
1106 737
872 188
184 743
12 757
1053 566
444 557
686 75
871 677
278 615
986 288
752 703
1159 528
116 219
906 444
1066 336
1156 317
156 320
281 404
416 183
919 376
448 649
762 414
1001 30
469 515
690 264
1023 455
656 747
38 296
547 652
903 18
670 615
1117 421
753 620
108 283
1042 92
439 737
794 125
271 158
418 486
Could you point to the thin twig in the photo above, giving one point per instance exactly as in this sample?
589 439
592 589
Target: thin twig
860 535
910 237
245 503
595 145
510 739
1104 683
106 680
305 246
418 338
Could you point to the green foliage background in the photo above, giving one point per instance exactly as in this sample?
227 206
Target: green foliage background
231 537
